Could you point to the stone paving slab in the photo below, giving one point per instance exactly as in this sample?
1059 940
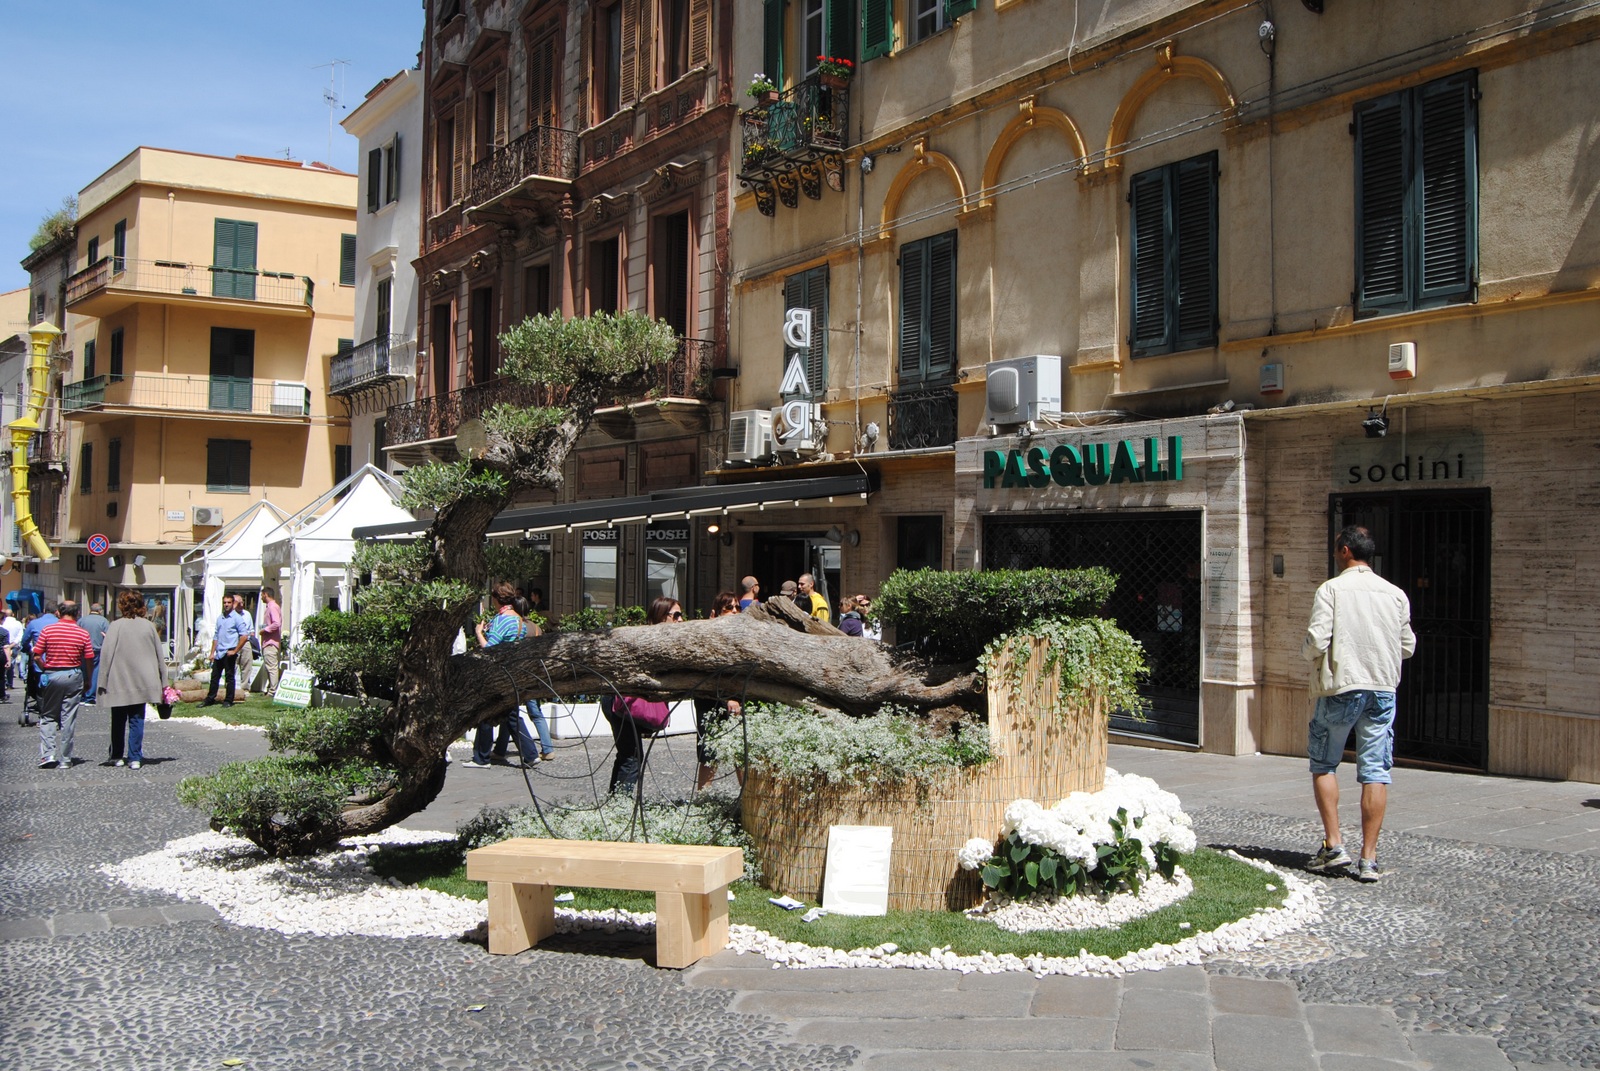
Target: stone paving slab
976 1034
1456 1052
1168 1020
1097 998
1368 1033
1255 996
1260 1043
1046 1060
887 1004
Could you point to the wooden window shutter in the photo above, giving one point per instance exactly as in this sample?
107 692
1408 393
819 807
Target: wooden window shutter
628 92
374 179
1446 185
954 9
877 28
644 65
772 41
1382 166
502 101
1148 256
394 170
541 82
843 27
1195 256
913 311
458 153
347 260
817 300
699 32
941 362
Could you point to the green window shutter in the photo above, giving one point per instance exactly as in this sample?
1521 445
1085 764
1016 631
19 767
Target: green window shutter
795 297
115 368
394 171
809 290
1446 185
1382 169
233 260
877 28
88 359
86 468
842 25
347 260
119 244
913 311
1195 256
954 9
941 331
1148 258
374 179
92 252
772 41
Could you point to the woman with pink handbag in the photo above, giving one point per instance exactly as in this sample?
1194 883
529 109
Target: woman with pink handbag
133 672
632 718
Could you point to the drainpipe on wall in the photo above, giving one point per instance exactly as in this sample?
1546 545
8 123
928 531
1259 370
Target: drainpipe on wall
22 430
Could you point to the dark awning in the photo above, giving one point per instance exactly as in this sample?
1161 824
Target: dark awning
659 505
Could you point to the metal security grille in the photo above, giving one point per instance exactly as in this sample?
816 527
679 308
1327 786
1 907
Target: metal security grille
1435 547
1156 557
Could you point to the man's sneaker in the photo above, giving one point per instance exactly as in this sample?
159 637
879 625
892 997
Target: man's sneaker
1367 870
1330 857
473 764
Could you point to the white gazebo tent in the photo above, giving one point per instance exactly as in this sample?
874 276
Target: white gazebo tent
231 558
310 551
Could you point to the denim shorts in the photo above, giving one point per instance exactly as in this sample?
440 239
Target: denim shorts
1371 715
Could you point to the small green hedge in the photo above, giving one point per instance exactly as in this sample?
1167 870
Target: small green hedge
953 616
593 620
354 653
329 732
287 805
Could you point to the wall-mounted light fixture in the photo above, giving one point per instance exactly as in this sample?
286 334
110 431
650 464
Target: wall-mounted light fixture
111 561
138 561
1376 424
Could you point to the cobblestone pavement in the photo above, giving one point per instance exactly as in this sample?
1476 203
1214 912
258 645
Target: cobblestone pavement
1467 955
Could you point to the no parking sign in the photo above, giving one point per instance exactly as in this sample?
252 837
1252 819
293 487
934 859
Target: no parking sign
98 544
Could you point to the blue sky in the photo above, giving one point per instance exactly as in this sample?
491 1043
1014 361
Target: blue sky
84 83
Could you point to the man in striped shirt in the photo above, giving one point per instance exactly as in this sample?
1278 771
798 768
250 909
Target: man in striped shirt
62 650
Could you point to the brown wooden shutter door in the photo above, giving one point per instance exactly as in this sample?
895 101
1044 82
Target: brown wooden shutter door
629 90
458 152
699 32
502 102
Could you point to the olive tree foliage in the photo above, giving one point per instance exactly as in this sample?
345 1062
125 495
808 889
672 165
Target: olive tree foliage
437 581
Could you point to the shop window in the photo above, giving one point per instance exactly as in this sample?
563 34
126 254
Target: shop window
666 569
928 309
599 564
1174 257
809 290
1417 197
228 465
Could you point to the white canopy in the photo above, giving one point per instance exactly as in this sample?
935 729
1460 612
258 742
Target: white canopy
311 551
230 558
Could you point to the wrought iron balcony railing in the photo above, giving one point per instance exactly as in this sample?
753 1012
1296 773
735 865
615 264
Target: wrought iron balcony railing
545 152
922 417
806 122
214 394
376 361
687 375
176 279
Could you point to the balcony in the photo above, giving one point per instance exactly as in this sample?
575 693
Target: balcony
678 392
375 363
117 282
794 143
541 164
922 418
180 396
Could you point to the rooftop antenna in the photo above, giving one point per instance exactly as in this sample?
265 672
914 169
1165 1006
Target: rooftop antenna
331 97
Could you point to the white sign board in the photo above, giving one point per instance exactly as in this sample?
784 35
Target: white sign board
294 689
856 881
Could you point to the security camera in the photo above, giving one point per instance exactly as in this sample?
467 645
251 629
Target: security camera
1266 31
866 165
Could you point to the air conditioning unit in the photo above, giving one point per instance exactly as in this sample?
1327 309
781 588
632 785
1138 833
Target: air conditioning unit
798 428
749 434
1021 389
208 515
290 399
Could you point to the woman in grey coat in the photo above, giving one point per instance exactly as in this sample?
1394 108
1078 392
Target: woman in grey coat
133 672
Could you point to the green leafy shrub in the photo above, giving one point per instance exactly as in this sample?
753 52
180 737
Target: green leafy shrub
952 616
286 804
706 818
594 620
889 747
356 654
1095 657
329 732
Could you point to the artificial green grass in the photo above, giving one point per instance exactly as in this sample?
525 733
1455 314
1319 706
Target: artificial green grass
255 709
1224 890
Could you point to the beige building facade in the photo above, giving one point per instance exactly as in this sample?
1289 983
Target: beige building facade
1233 237
210 296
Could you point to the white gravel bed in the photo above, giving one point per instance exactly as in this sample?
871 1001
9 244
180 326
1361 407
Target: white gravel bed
1087 912
206 721
336 893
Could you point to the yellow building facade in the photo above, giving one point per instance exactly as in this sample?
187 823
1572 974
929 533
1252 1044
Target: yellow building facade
210 296
1221 232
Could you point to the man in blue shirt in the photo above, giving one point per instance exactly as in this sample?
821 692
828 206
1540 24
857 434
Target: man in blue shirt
30 636
233 632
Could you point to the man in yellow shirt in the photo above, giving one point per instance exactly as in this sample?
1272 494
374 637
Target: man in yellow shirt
810 600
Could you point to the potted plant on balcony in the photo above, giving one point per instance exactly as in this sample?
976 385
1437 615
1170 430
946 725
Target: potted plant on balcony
763 90
755 153
834 72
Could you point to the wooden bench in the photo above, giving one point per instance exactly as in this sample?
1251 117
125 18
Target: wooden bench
690 883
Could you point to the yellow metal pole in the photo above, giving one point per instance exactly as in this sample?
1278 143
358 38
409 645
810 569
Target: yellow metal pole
22 431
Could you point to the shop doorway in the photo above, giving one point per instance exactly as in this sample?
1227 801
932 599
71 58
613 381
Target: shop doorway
1156 557
1434 545
776 558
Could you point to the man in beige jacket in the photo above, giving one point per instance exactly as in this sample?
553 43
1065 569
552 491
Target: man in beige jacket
1360 631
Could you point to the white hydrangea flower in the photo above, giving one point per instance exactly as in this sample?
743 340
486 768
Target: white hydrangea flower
975 853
